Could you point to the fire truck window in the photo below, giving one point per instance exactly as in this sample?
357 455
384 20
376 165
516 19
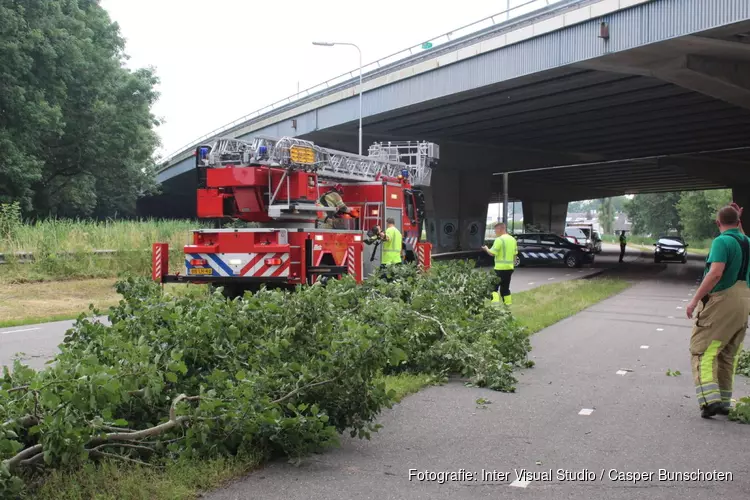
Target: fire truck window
409 202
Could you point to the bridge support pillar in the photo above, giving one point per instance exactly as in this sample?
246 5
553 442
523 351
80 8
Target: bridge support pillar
741 196
457 209
545 215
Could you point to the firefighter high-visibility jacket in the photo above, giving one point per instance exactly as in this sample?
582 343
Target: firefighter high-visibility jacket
504 249
392 246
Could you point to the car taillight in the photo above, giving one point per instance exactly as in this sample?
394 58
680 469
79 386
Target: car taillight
273 262
198 262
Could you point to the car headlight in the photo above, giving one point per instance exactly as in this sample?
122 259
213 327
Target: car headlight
658 249
681 250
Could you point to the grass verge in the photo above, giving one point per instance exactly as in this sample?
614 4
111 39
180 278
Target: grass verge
31 303
536 309
544 306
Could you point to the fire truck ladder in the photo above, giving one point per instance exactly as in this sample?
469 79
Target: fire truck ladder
411 159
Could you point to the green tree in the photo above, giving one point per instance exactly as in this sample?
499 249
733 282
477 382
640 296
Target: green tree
698 209
654 213
607 215
76 128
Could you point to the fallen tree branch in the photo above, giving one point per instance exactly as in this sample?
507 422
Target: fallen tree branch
298 389
434 320
123 445
17 389
35 453
22 455
39 457
104 454
113 429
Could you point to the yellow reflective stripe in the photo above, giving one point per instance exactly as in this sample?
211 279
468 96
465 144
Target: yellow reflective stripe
707 361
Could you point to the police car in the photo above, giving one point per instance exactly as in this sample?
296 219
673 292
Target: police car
546 248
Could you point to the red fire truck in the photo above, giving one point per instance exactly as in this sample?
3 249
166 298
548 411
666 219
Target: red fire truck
277 185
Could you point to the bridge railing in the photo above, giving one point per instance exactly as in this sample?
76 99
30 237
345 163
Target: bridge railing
526 7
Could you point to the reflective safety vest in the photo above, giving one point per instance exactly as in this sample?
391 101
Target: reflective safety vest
392 247
504 249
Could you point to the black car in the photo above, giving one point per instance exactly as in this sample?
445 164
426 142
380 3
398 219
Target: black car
671 248
546 248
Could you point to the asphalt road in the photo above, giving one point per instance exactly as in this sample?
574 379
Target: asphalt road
638 420
38 343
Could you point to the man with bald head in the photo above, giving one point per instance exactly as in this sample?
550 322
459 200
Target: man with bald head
722 302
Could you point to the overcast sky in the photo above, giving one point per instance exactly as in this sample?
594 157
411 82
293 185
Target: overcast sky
221 59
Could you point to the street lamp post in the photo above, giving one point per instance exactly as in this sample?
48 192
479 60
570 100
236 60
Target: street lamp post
331 44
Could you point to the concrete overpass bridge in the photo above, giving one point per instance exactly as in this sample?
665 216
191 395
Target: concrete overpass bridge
581 99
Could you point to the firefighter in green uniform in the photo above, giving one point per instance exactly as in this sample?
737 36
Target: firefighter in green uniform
504 250
722 302
392 246
333 199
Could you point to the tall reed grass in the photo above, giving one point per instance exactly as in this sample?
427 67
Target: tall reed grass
62 248
59 235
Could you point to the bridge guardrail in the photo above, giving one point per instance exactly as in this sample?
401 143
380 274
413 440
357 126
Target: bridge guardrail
380 64
27 257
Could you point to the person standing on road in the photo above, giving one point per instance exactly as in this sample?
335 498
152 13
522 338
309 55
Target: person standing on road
723 305
504 250
623 244
392 246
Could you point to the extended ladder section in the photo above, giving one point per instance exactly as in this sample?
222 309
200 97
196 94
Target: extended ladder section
411 159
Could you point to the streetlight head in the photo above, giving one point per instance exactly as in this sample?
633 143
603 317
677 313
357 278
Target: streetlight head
324 44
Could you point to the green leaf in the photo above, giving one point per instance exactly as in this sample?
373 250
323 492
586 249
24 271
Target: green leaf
397 356
171 377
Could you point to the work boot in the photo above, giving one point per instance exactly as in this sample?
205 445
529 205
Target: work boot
712 409
724 409
495 297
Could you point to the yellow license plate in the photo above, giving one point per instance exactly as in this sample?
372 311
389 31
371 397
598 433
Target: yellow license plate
201 271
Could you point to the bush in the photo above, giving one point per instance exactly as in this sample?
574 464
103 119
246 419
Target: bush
277 373
743 364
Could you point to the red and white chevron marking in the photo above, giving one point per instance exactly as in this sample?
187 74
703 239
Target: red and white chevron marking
156 271
257 266
420 256
411 241
351 262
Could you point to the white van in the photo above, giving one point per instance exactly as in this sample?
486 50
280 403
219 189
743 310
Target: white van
579 236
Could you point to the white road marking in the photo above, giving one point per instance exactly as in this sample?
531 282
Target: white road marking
644 347
520 483
679 307
621 372
23 330
671 317
684 300
531 283
586 411
550 279
660 329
